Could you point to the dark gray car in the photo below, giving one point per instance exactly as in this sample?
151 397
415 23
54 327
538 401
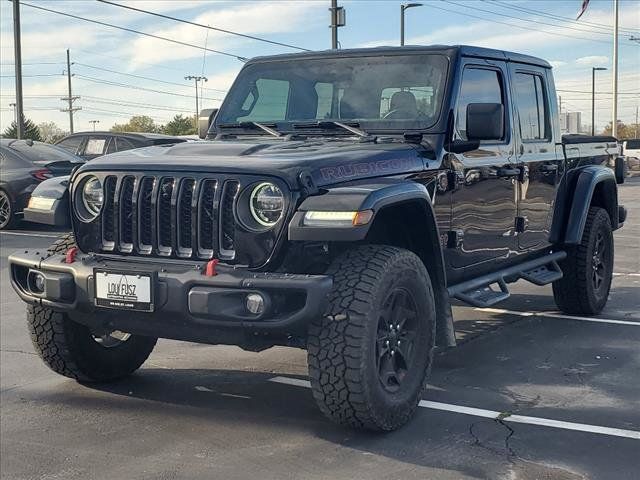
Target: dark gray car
23 165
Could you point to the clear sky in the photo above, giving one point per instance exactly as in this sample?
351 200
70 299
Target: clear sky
537 27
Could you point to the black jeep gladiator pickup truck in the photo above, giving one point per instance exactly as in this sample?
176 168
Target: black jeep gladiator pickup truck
344 198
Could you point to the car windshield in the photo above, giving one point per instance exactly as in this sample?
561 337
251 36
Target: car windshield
392 92
42 152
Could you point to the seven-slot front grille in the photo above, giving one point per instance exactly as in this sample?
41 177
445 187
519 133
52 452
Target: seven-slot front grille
170 215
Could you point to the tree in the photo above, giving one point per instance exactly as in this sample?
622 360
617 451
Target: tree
137 123
30 130
50 132
180 125
624 131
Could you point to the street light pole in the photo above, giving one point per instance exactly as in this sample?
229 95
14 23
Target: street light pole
404 7
338 19
614 125
593 98
94 123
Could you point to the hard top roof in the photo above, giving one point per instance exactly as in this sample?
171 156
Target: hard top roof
448 50
150 136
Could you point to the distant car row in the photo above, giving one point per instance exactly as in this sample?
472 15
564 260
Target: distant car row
25 165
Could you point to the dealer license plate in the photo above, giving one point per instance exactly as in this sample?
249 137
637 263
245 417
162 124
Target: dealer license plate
125 291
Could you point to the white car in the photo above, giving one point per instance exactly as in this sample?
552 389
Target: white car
631 152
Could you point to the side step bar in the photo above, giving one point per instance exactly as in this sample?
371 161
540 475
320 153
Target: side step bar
479 292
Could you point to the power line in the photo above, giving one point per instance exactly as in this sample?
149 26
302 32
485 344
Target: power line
570 27
609 28
36 75
230 32
121 113
134 87
115 57
522 27
133 104
141 77
131 30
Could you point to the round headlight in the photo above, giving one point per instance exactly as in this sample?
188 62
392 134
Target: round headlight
266 204
92 196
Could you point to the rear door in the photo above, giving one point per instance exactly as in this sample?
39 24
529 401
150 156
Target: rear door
484 200
537 155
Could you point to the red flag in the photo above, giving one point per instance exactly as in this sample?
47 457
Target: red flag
585 4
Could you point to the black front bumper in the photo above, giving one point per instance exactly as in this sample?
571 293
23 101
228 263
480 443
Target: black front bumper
188 305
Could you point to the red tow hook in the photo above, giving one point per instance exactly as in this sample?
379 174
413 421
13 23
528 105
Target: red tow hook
210 268
70 256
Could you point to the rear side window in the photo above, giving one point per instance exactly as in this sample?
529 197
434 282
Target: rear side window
532 107
479 85
70 144
95 146
269 101
632 145
123 144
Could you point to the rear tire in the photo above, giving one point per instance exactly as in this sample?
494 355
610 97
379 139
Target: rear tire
370 355
7 214
73 350
588 268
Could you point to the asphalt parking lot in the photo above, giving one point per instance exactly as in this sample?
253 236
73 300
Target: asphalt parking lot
527 394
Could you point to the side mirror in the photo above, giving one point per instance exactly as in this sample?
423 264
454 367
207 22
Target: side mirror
462 146
485 121
205 119
620 170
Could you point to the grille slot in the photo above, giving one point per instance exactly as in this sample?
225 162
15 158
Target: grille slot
170 216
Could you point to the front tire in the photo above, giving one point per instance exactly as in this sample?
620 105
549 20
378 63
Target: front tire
370 355
73 350
588 268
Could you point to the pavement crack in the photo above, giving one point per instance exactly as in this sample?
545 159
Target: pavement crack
10 350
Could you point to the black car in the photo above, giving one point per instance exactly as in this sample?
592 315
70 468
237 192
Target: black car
90 145
23 165
345 198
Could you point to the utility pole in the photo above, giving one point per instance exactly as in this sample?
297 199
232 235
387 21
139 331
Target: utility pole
93 122
404 7
614 125
338 19
636 134
593 98
17 47
196 79
70 98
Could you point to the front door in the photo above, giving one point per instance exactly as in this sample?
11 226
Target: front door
537 155
484 199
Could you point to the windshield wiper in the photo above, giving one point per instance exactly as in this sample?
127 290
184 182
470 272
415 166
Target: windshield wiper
333 123
246 125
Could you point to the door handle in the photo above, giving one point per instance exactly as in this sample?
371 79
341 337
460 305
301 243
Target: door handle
549 167
508 172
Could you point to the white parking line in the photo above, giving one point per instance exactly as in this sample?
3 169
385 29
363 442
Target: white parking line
623 274
558 315
505 417
25 234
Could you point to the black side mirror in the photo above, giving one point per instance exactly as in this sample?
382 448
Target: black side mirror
205 119
462 146
620 170
485 121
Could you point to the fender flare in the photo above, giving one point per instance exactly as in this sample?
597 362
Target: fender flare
588 180
377 196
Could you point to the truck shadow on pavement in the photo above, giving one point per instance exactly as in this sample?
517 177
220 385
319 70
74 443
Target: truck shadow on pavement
522 368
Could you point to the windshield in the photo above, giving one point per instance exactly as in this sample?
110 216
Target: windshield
394 92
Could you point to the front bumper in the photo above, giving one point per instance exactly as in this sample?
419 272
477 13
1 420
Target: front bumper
188 305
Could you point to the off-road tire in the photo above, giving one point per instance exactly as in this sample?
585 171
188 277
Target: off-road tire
342 344
576 293
69 348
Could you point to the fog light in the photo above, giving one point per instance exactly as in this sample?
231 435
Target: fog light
37 282
255 303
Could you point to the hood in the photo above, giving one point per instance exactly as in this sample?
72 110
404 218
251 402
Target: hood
327 160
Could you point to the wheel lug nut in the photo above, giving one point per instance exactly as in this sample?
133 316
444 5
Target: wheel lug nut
393 352
398 342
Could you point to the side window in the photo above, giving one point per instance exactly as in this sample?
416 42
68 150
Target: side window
272 101
479 85
70 144
123 144
532 107
111 147
95 146
325 99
